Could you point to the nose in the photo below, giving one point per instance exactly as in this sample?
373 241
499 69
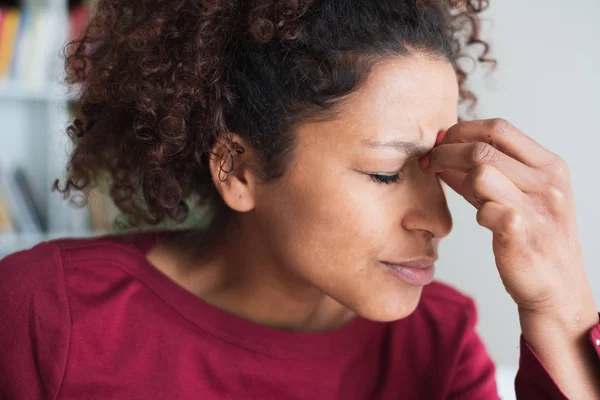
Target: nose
429 209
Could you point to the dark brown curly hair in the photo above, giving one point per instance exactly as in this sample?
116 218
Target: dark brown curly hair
160 80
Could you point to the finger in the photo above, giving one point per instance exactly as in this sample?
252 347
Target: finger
506 224
486 183
454 179
464 157
505 137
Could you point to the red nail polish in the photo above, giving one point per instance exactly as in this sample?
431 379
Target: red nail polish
440 137
424 162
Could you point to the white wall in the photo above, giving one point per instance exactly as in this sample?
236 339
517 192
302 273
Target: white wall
547 84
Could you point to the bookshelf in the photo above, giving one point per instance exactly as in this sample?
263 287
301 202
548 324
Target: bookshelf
34 114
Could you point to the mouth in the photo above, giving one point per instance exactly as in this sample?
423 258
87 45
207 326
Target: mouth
416 274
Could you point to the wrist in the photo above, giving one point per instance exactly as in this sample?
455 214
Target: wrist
568 308
567 321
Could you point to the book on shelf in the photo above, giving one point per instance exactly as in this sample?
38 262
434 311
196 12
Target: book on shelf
20 210
28 40
20 205
9 26
6 224
27 36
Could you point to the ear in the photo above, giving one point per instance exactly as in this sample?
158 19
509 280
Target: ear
232 165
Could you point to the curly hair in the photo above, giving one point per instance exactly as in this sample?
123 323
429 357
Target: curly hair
159 81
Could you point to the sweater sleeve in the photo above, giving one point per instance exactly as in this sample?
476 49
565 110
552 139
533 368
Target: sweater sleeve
36 324
533 381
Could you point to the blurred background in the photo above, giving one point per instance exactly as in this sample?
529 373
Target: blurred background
547 83
35 108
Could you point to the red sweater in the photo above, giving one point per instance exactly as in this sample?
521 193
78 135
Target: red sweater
93 319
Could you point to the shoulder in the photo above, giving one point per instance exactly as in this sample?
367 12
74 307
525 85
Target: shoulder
36 303
52 269
115 246
41 269
25 270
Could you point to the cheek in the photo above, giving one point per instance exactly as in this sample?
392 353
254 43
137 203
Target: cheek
340 218
365 219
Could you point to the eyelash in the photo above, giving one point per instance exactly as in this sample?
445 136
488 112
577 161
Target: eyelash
387 179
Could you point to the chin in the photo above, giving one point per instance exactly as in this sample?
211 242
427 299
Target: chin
390 307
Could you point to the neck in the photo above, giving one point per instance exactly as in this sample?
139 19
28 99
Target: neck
234 270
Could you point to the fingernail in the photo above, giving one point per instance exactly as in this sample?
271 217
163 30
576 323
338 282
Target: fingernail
440 137
424 162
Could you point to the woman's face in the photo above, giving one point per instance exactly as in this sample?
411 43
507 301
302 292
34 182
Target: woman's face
331 224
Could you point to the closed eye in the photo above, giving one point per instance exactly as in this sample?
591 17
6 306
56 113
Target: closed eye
388 179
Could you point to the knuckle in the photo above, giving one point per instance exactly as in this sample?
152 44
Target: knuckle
480 176
555 198
482 153
512 221
500 125
560 169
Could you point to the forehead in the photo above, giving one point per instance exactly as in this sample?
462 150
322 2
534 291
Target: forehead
409 98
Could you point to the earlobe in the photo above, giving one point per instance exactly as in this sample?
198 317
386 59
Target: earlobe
230 167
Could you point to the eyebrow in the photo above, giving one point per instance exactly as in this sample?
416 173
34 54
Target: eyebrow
410 149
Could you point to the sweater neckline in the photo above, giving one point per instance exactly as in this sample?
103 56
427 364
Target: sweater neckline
241 332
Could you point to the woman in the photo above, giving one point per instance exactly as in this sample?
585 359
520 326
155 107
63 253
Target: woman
317 134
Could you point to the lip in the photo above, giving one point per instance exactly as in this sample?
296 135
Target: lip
423 262
416 273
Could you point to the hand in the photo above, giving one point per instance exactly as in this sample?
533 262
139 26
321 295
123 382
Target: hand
523 194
